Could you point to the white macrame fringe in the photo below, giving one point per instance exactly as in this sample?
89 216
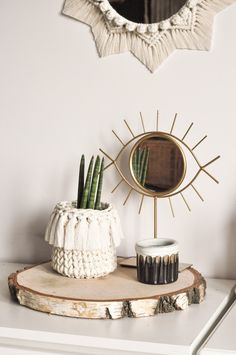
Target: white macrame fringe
83 229
111 41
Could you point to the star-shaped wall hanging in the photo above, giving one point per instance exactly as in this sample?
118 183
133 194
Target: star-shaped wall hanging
189 28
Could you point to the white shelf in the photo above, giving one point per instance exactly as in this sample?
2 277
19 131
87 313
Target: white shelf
177 333
223 339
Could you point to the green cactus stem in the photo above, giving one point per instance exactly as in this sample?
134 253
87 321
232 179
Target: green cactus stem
81 181
87 186
136 167
93 190
145 167
134 163
139 152
142 161
99 189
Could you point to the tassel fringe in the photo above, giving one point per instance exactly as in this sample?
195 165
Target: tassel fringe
83 229
150 49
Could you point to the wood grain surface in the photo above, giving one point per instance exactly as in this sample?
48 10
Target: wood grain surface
114 296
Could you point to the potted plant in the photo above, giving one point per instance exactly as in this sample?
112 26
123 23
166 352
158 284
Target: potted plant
85 233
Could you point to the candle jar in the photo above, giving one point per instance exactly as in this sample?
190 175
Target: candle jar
157 261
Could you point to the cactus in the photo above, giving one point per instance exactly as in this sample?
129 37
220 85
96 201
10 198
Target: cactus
139 152
140 164
93 190
89 194
134 164
99 190
87 186
145 166
81 181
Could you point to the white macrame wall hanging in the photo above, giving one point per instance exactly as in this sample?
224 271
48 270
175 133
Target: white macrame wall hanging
189 28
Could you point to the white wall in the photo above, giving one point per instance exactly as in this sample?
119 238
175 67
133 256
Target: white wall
58 100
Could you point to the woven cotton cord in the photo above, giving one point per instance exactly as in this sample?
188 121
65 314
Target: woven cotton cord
82 264
189 28
84 241
72 228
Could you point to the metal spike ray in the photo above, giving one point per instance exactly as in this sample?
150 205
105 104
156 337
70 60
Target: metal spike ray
119 139
102 151
108 166
198 143
128 196
197 192
171 207
210 162
157 121
185 135
141 205
142 121
116 187
211 176
185 201
173 123
127 125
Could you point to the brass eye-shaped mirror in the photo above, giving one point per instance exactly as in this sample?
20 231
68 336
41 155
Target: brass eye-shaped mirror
150 29
157 164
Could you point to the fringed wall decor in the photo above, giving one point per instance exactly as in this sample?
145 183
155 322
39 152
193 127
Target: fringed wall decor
156 34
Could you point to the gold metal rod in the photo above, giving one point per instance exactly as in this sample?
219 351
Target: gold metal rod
108 166
142 121
187 131
211 176
117 186
173 123
118 137
106 155
196 145
128 196
187 186
129 128
171 207
210 162
141 205
186 203
155 217
157 121
197 192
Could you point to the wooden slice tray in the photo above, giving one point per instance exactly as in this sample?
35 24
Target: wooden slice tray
114 296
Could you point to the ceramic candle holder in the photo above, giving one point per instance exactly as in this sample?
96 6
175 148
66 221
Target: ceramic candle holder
157 261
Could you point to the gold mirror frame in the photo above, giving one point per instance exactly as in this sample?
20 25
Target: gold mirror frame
190 28
170 139
132 188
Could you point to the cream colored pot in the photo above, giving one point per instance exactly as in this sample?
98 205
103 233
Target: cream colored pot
84 240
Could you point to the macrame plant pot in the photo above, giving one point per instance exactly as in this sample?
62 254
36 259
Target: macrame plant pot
84 240
157 261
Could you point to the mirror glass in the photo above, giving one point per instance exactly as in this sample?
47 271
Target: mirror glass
147 11
158 164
